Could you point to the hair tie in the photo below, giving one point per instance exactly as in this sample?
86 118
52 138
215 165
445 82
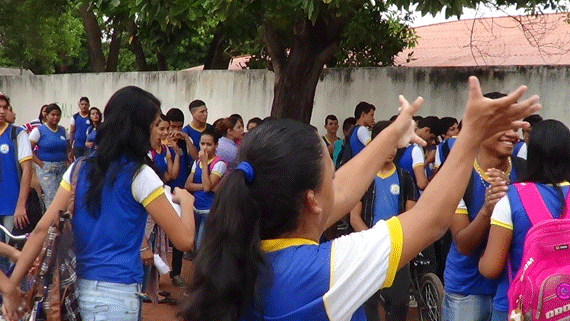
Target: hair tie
247 170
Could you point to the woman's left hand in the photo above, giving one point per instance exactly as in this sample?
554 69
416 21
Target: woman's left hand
13 305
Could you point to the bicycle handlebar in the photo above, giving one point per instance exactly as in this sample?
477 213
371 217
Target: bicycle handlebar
14 237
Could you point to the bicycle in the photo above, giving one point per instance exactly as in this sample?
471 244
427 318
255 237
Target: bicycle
426 288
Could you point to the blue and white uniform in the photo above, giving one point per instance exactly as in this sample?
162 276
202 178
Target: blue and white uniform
203 200
91 135
328 281
9 180
510 214
160 159
81 124
109 267
359 139
195 134
412 157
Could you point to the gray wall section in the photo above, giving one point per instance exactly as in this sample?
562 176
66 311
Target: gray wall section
250 92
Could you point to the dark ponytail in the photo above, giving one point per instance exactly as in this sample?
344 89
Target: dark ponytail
287 160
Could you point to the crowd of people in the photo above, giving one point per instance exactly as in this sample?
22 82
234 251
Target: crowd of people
254 205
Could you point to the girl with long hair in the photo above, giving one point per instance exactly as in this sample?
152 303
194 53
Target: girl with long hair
260 258
116 189
95 118
231 130
548 169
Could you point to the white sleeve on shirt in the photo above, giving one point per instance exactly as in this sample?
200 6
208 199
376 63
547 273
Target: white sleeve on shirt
193 168
502 215
220 168
145 183
24 147
523 151
72 121
417 156
66 134
34 135
361 264
437 162
461 208
363 135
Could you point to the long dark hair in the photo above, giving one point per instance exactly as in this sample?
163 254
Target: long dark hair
125 134
287 159
100 117
548 160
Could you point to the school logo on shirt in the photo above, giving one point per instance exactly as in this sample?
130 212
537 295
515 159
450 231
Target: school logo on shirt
87 122
62 138
4 148
395 189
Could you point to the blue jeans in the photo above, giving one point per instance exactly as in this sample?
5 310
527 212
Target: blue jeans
49 178
200 219
458 307
100 300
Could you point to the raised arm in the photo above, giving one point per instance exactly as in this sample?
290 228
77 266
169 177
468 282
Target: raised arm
431 217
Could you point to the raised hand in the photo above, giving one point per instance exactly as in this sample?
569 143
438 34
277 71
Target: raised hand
405 125
485 117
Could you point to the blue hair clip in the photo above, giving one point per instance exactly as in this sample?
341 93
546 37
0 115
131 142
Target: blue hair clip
247 170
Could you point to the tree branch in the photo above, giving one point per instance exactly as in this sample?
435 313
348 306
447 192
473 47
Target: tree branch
275 47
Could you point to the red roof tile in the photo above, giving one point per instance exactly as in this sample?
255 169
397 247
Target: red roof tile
503 41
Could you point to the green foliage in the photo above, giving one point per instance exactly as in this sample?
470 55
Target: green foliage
42 36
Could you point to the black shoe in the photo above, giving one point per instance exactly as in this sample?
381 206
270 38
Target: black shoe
177 281
164 293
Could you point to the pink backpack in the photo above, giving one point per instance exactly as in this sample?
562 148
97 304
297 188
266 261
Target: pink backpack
541 288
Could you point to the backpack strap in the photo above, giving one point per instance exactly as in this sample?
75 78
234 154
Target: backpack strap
214 161
368 204
532 202
468 195
14 139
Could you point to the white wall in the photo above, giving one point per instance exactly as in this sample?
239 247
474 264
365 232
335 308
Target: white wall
250 92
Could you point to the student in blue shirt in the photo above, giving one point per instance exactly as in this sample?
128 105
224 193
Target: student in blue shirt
53 152
78 128
549 169
392 192
95 118
116 190
199 113
260 258
360 134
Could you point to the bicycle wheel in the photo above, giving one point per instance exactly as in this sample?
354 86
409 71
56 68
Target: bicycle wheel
431 295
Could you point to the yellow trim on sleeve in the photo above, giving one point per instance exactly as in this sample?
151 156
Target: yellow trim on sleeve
418 165
152 196
279 244
25 159
461 211
217 174
368 141
501 224
396 241
331 267
65 185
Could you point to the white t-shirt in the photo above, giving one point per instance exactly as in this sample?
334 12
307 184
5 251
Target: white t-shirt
363 135
146 184
219 168
361 264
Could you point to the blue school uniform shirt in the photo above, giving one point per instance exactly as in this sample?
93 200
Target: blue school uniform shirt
195 134
355 144
461 275
184 168
517 220
91 134
406 161
203 200
52 145
386 196
81 124
108 246
9 180
304 280
159 159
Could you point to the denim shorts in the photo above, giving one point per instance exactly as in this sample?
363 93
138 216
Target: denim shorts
100 300
459 307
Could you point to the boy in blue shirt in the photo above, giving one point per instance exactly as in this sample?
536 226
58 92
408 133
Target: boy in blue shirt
392 192
14 188
78 126
360 135
198 124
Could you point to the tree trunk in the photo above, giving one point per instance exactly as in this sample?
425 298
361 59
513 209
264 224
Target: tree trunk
93 33
216 57
136 46
297 73
161 61
114 47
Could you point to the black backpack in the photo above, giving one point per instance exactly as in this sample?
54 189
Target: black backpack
345 153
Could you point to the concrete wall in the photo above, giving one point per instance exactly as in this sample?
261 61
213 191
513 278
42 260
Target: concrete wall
250 92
